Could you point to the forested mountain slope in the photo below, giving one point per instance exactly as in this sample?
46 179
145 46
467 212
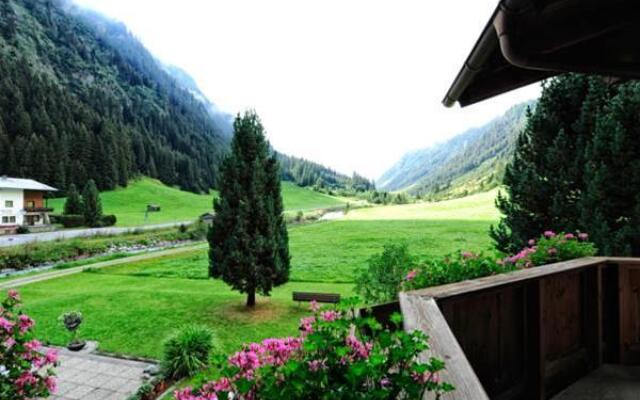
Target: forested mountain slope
469 162
81 98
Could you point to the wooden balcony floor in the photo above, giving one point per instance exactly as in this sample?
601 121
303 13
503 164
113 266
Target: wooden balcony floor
609 382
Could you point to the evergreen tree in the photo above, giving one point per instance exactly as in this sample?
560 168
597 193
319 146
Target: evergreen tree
248 240
92 204
544 181
73 205
611 203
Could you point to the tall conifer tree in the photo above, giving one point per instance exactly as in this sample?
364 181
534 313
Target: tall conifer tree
73 205
248 240
92 204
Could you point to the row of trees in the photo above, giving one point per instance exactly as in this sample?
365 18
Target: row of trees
308 173
577 167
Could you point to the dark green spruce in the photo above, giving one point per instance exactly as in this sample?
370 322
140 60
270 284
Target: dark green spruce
576 167
92 204
73 205
249 244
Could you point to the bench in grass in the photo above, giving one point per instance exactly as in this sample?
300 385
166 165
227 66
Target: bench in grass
333 298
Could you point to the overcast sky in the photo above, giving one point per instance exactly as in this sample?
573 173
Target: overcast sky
353 84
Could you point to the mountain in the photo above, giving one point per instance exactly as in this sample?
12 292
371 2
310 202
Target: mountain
469 162
80 98
222 120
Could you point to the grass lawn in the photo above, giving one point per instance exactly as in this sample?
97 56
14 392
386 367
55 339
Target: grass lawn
132 308
129 204
134 315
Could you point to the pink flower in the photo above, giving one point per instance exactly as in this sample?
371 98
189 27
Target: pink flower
50 381
552 251
13 294
6 324
569 236
9 343
467 254
33 345
317 365
411 275
329 316
549 234
359 350
532 242
315 307
25 323
385 382
583 236
306 325
52 356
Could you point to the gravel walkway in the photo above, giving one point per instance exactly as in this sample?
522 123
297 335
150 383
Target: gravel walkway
15 240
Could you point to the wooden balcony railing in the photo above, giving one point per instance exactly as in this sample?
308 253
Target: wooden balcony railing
531 333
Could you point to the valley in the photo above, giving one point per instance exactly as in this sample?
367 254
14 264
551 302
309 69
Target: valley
132 306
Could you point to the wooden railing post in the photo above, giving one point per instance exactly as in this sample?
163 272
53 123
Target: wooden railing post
424 314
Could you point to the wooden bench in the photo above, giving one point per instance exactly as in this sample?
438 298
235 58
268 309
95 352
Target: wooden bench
333 298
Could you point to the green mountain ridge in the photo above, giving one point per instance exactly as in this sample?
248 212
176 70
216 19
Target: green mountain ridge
470 162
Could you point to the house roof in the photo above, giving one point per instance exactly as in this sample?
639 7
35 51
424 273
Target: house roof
526 41
25 184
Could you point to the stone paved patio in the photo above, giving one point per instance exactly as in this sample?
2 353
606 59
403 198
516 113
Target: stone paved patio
93 377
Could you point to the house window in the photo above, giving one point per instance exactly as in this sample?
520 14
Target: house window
8 220
31 204
8 203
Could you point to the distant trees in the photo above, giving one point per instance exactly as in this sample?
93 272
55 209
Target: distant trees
92 204
248 240
576 167
73 205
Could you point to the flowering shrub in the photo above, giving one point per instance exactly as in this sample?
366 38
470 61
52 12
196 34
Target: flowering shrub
336 356
25 372
454 268
552 247
547 249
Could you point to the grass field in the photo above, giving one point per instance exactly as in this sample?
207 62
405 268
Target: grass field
132 308
129 203
134 315
332 251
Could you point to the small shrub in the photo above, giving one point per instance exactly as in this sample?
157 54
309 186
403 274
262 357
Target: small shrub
384 277
26 372
187 352
336 356
299 216
22 230
183 228
108 220
71 221
198 230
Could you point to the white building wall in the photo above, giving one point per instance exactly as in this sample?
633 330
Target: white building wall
17 196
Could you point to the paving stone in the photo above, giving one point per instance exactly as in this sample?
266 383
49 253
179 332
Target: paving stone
89 376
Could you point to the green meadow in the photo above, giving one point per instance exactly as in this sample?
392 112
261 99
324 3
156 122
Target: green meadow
131 308
129 204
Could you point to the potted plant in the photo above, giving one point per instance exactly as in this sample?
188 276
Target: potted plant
71 321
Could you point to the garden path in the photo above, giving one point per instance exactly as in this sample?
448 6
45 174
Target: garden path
95 377
15 240
44 276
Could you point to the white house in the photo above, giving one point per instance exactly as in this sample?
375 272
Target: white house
22 204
